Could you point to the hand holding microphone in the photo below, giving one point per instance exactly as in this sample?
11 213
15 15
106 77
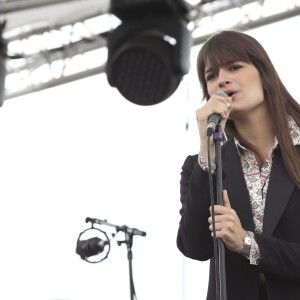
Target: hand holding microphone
215 118
215 111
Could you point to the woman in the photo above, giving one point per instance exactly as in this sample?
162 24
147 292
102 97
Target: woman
260 219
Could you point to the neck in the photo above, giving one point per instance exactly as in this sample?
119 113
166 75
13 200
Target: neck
257 129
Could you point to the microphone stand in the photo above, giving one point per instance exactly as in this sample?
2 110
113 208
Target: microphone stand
129 233
221 276
128 241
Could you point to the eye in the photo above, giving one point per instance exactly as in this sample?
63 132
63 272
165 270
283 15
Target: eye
211 76
235 67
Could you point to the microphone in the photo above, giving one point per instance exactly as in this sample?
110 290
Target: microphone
90 247
214 119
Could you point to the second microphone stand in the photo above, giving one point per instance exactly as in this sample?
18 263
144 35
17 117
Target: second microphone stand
128 241
129 233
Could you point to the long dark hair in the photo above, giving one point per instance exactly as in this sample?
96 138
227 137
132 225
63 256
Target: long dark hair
236 46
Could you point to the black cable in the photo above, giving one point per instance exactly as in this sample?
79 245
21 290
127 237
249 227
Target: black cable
211 190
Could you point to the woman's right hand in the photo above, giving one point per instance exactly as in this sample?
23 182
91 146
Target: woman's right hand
216 104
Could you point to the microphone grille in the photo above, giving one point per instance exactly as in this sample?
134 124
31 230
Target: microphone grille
222 94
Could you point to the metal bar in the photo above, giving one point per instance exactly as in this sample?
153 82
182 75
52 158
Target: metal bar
56 82
40 28
13 6
254 24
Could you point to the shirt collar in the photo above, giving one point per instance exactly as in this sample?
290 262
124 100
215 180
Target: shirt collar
295 131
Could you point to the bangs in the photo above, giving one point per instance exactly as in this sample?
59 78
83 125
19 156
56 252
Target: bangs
217 53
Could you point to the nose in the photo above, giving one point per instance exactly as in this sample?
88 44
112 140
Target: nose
223 78
224 83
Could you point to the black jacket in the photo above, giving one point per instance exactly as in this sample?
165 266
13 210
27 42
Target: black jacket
279 245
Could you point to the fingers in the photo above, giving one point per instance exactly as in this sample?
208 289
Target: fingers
218 226
226 113
221 105
227 100
223 213
216 104
218 219
227 225
226 201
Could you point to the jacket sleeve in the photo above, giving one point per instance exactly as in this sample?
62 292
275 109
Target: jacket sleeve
194 239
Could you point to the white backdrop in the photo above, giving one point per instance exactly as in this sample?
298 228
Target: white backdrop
81 150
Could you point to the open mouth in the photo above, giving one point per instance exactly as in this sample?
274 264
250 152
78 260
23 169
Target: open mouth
230 94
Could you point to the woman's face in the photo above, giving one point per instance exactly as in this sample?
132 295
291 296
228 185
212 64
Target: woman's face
239 80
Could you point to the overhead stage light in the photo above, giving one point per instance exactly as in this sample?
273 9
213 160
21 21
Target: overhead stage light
149 53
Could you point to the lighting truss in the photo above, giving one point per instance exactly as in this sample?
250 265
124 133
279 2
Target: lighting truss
50 55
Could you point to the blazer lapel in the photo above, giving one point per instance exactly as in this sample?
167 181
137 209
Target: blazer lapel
234 182
279 192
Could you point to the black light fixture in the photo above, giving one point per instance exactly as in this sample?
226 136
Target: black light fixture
149 53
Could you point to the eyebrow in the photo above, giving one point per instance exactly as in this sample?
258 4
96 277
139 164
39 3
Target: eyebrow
226 64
